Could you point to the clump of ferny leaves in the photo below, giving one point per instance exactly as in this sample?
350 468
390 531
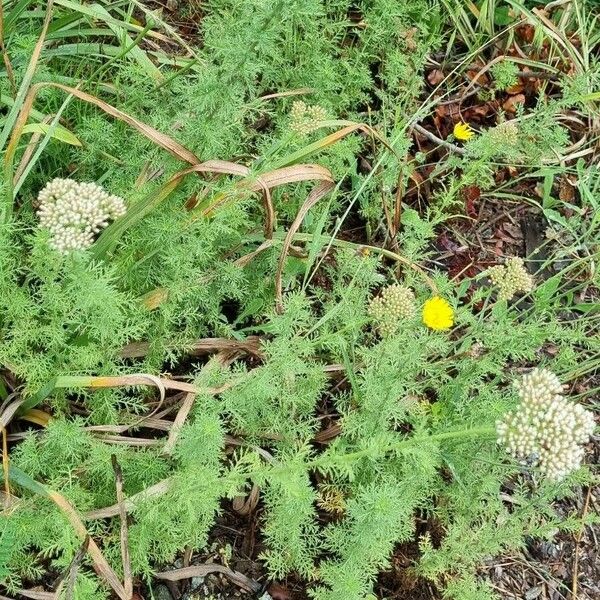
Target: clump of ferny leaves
75 213
396 303
511 278
305 119
546 428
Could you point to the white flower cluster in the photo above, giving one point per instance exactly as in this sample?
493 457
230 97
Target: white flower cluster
75 212
395 303
546 429
505 134
511 278
305 119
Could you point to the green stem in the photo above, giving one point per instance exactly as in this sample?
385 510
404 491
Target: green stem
483 432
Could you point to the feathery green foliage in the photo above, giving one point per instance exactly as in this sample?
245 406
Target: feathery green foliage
411 415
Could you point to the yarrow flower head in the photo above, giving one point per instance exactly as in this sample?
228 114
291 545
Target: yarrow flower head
396 303
511 278
437 313
462 131
504 134
546 430
305 119
75 213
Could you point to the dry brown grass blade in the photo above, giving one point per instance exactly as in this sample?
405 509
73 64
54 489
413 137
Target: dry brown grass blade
202 570
34 595
315 195
159 138
19 124
296 92
7 64
180 418
101 565
140 379
245 505
154 491
121 440
29 151
246 259
224 167
124 537
155 136
9 412
291 174
201 347
273 179
5 467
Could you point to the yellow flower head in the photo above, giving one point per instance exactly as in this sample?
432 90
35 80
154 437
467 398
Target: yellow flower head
438 314
463 131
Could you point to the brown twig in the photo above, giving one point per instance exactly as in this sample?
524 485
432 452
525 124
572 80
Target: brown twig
577 543
202 570
71 573
180 418
5 465
251 345
124 537
437 140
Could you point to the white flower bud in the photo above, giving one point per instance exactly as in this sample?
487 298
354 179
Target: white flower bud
395 303
74 212
511 278
305 119
546 429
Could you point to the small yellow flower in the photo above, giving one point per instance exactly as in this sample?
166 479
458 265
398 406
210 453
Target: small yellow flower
438 314
463 132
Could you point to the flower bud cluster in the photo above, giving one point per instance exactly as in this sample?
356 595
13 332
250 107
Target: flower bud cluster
75 213
305 119
511 278
395 303
505 134
546 429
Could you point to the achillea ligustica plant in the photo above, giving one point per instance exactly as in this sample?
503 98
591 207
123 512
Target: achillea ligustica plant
511 278
395 304
546 429
329 418
305 119
75 213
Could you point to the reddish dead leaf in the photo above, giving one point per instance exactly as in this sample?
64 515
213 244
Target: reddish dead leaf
447 243
526 33
435 77
566 190
510 105
515 89
471 195
477 77
515 232
480 110
279 592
